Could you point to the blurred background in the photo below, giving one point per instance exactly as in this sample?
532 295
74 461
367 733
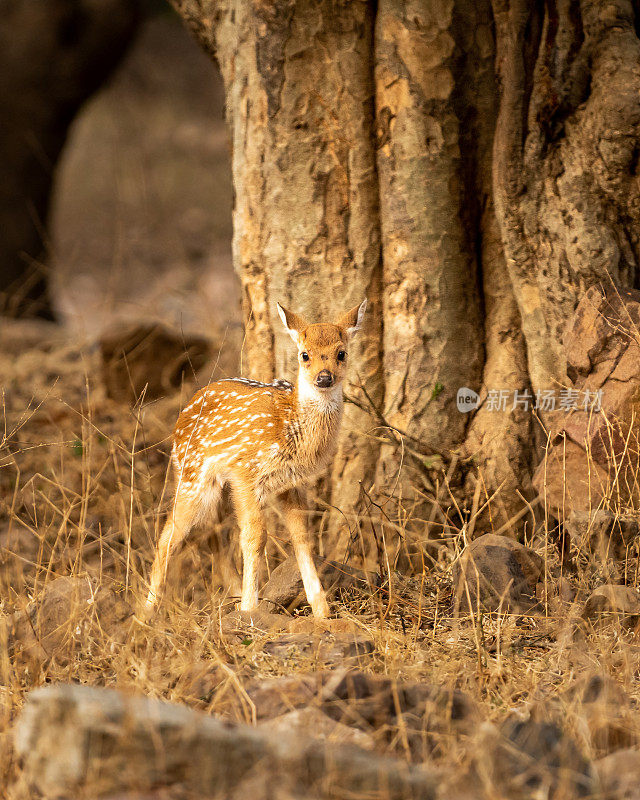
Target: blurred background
121 195
117 293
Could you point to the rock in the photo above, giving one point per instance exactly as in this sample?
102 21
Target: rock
606 711
602 351
592 343
499 573
309 624
56 622
427 714
15 540
565 590
72 739
160 794
596 688
148 358
325 648
619 775
603 534
200 680
303 721
528 759
273 697
615 603
284 588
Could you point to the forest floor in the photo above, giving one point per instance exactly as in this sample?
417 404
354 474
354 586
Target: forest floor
83 493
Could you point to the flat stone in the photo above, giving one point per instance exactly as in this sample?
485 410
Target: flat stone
324 648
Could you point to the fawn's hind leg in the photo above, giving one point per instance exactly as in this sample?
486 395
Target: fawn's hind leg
253 539
297 524
178 524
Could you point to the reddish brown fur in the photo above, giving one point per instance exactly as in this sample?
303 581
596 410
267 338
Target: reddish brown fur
260 438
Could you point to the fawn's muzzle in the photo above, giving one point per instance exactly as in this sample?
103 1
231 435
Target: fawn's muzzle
324 379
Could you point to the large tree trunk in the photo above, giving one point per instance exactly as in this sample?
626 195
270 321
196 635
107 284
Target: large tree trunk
506 141
452 320
565 160
53 55
306 224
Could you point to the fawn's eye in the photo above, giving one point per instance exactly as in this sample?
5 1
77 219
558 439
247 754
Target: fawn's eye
304 356
341 355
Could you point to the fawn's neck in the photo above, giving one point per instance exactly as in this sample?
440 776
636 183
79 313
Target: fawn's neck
317 421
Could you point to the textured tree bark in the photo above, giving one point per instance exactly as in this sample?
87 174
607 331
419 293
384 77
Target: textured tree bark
433 339
450 316
299 83
565 160
53 55
506 141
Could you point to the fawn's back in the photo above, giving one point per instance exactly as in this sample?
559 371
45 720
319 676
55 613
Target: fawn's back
263 436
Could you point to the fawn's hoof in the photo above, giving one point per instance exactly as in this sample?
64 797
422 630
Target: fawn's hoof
321 610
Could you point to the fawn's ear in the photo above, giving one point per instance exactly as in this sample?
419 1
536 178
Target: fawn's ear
294 323
352 320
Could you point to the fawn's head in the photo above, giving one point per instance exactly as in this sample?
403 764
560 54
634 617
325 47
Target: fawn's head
322 348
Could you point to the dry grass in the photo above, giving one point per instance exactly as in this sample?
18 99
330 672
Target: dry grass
82 483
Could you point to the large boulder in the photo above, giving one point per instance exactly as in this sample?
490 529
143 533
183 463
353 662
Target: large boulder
497 573
76 740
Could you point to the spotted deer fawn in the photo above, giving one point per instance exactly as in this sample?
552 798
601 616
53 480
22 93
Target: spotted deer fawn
262 439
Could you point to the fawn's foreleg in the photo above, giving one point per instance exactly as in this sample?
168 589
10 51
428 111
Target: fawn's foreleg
297 524
253 539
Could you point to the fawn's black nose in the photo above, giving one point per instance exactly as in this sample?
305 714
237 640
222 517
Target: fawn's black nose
324 379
